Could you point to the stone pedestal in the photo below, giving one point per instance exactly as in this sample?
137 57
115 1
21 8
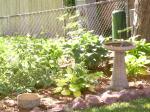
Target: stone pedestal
119 78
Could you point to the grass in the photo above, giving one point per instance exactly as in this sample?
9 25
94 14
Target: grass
140 105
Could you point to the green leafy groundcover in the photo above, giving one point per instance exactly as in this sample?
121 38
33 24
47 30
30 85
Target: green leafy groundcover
138 59
27 62
140 105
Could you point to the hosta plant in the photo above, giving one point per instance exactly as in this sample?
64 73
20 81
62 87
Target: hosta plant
142 47
75 80
136 66
138 58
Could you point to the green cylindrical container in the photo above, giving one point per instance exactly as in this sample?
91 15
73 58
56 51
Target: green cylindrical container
119 24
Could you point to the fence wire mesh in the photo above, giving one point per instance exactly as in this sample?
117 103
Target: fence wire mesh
94 16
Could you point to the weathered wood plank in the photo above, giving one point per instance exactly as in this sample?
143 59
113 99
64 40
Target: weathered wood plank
33 24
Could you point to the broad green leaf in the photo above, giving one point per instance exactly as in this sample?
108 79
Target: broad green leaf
91 88
73 87
58 89
65 92
61 82
77 93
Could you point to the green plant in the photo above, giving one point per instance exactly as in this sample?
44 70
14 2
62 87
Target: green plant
76 79
138 58
142 48
136 66
69 2
27 63
88 49
82 45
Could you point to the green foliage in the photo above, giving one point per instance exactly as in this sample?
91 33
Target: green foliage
76 79
138 58
142 48
136 66
27 63
84 50
69 2
83 45
88 49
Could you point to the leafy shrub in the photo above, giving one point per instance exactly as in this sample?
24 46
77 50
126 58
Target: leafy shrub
76 79
27 63
88 49
136 66
138 58
142 48
82 45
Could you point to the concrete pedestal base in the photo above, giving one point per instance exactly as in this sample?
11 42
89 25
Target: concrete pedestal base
119 78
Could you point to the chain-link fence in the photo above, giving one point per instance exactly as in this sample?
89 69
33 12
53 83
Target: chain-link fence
94 16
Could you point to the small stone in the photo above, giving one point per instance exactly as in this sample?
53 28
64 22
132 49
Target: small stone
93 100
140 86
36 109
124 95
7 98
134 94
10 103
146 92
108 98
79 103
47 103
23 110
141 92
2 106
57 108
132 84
130 95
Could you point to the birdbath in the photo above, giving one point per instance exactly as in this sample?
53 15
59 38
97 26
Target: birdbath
119 78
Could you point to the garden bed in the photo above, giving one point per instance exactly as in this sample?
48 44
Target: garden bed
102 96
67 73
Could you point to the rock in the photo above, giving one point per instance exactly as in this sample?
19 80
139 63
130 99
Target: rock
23 110
132 84
10 103
141 92
57 108
93 100
79 103
2 106
146 92
140 86
48 103
9 110
110 97
36 109
134 94
127 95
124 95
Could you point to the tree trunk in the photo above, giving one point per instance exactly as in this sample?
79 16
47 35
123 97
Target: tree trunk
142 19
